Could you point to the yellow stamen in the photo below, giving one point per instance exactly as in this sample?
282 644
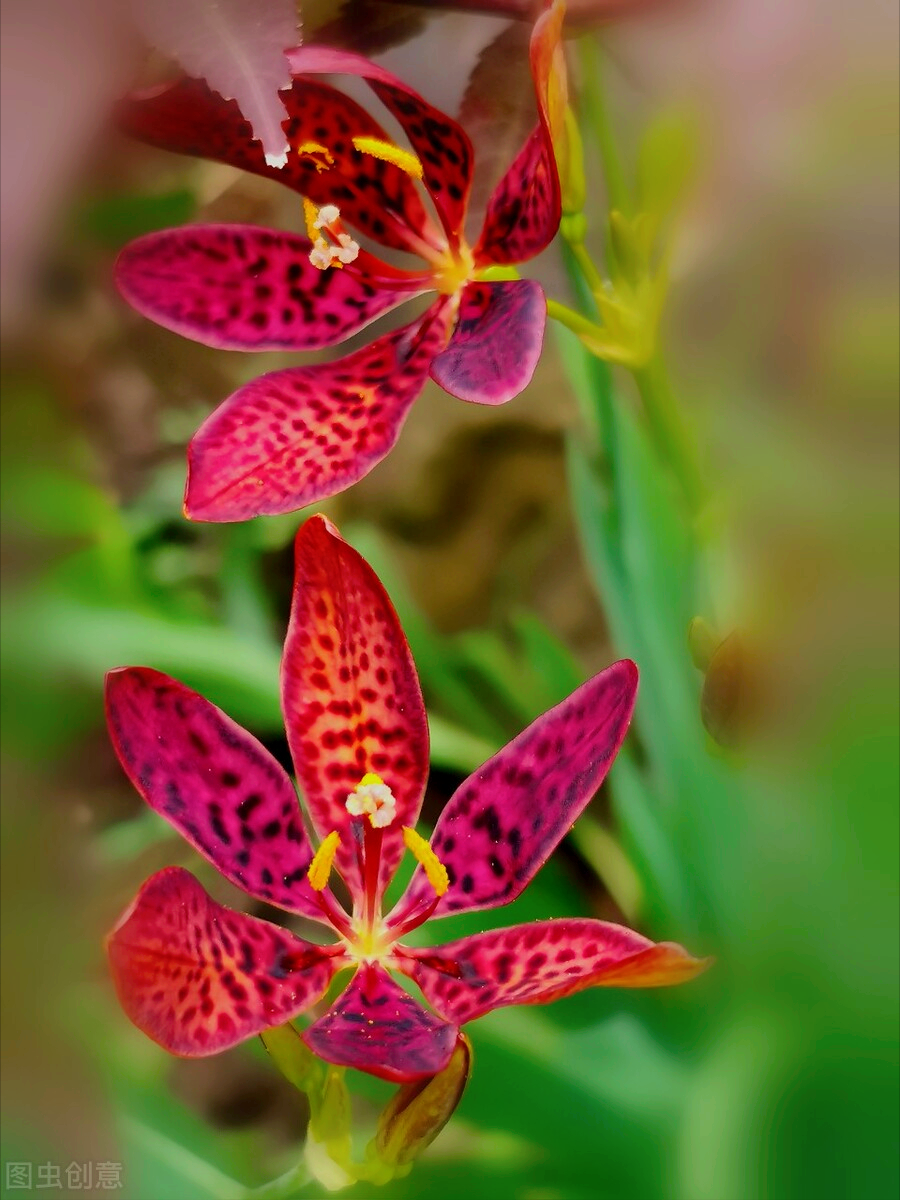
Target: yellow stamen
310 216
387 152
320 867
435 871
315 150
369 779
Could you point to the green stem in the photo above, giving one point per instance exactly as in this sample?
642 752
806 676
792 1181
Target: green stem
282 1188
670 431
586 265
572 320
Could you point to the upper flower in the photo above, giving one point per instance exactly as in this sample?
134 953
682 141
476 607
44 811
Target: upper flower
298 435
198 977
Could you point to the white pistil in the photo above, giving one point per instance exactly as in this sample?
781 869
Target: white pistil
325 253
328 214
373 798
320 254
348 248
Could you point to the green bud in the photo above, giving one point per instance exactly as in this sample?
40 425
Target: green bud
702 642
331 1115
420 1110
626 248
294 1059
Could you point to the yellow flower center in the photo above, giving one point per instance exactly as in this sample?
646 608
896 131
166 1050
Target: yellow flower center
454 269
365 935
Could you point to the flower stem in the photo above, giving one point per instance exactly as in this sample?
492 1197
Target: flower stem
571 319
670 431
586 265
282 1188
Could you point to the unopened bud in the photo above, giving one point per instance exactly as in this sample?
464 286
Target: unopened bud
292 1056
702 642
420 1110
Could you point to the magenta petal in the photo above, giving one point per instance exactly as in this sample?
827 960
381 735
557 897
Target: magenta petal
197 977
502 824
540 962
441 144
496 344
296 436
375 1026
237 287
214 782
523 214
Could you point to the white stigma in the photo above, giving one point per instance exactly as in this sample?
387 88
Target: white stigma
348 249
325 253
320 254
328 214
375 801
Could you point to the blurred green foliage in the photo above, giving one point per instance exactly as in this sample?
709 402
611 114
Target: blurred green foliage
774 1076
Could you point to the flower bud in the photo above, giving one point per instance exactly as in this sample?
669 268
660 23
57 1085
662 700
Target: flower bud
420 1110
293 1058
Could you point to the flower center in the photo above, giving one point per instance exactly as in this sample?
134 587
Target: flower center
453 269
366 935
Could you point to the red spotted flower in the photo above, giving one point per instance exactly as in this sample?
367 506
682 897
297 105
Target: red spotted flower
197 977
298 435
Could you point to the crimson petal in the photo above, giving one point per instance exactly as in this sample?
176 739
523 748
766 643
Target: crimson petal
496 344
198 978
237 287
502 824
540 962
214 782
377 1027
351 696
296 436
377 197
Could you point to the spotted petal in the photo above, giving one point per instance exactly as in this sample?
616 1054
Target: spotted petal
377 197
214 782
540 962
197 977
523 214
502 824
441 145
351 696
296 436
377 1027
238 287
496 344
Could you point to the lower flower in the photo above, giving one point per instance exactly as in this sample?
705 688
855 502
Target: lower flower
198 977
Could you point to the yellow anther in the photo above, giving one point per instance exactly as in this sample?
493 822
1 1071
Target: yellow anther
435 871
370 779
310 216
316 149
388 152
320 867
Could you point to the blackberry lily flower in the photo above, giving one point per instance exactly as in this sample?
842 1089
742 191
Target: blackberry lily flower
298 435
197 977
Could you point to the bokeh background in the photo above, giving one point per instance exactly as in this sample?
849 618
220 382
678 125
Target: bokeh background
525 548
